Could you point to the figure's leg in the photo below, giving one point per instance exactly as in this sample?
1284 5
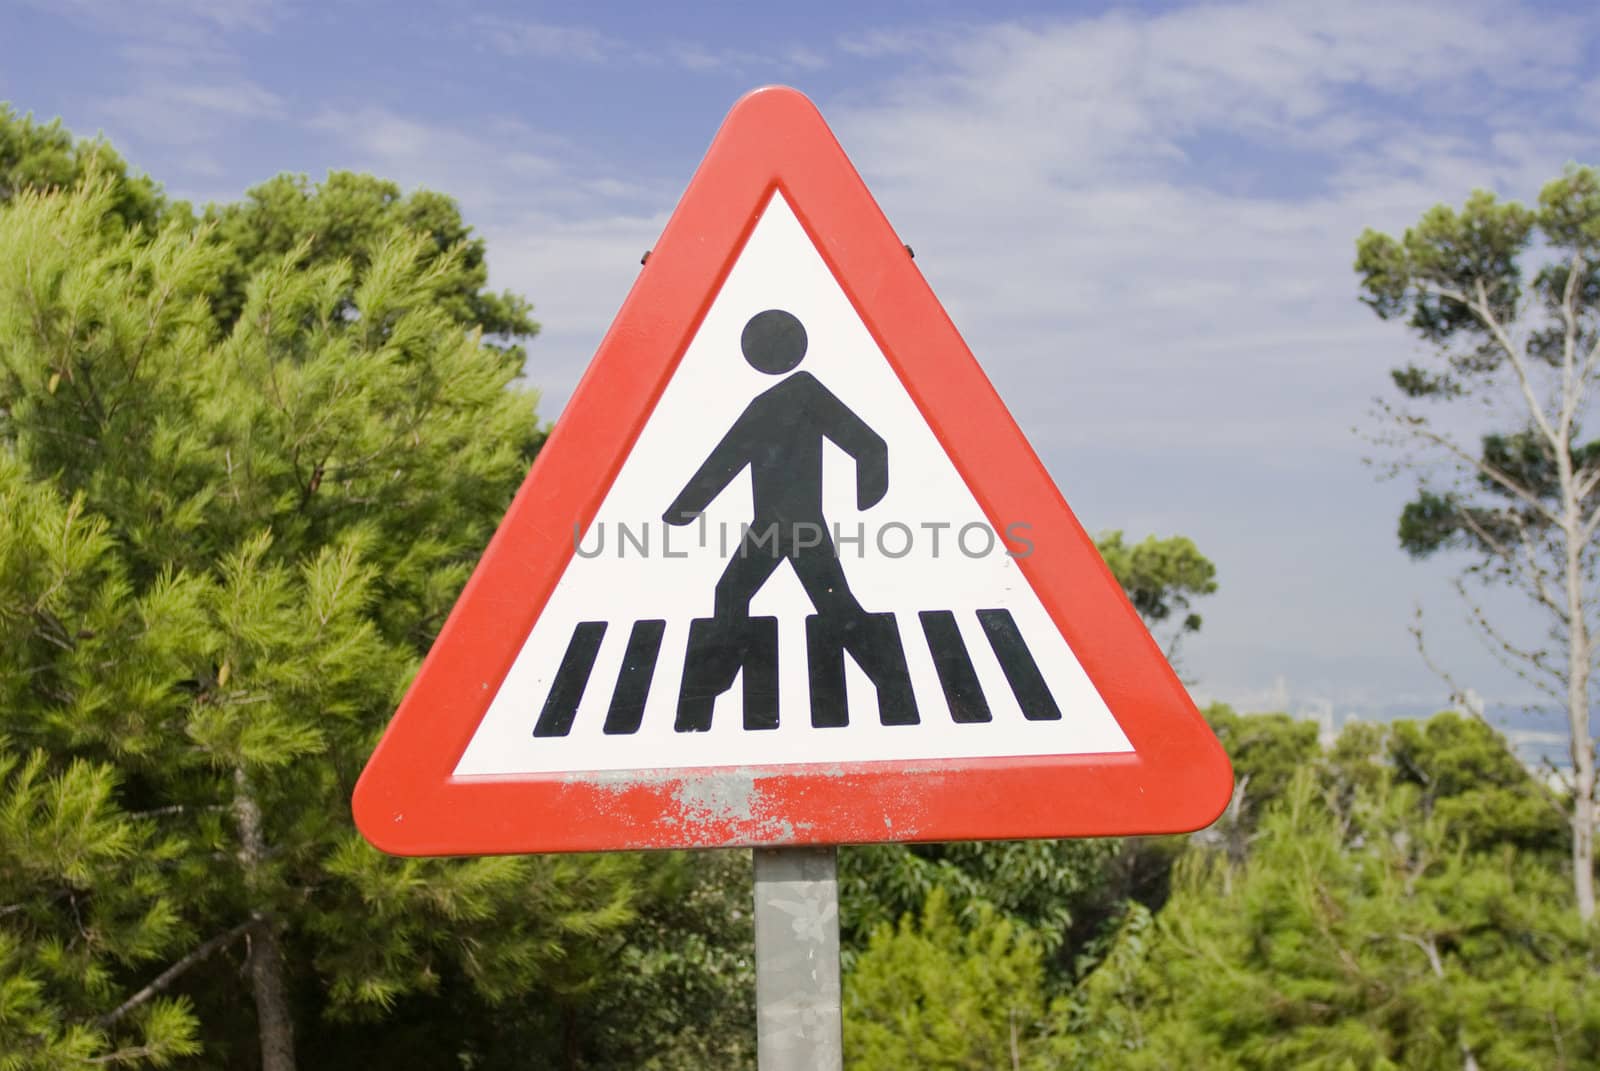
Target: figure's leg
840 624
743 576
760 667
719 648
823 578
830 704
730 640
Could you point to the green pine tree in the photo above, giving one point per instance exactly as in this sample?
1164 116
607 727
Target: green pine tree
45 156
85 898
932 993
1370 926
241 542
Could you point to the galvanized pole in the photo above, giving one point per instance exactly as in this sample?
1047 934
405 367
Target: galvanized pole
798 1025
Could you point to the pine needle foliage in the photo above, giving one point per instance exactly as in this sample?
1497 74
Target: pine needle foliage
226 547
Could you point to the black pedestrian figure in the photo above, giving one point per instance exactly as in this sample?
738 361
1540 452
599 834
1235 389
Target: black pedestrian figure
779 436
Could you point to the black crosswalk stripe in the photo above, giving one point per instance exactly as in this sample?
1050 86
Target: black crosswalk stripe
633 680
718 652
963 694
1022 672
874 642
572 678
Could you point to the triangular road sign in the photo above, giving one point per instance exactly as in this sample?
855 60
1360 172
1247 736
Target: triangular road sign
786 572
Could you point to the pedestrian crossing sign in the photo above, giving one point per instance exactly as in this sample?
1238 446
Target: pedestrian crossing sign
786 572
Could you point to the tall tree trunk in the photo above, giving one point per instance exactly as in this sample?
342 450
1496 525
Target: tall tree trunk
570 1049
1583 772
1579 654
273 1019
267 985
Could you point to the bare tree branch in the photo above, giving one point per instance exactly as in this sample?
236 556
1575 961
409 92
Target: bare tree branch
1520 558
1468 702
1413 427
1592 362
1429 947
1524 663
1552 771
1569 340
1514 354
1591 525
172 973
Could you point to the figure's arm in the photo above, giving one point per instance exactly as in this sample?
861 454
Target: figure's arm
852 435
729 457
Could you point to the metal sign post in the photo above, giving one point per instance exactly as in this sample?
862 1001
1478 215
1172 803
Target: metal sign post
798 1022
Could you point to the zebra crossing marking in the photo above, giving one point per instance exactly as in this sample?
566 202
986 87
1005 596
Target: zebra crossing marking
711 664
1022 672
572 679
633 680
963 693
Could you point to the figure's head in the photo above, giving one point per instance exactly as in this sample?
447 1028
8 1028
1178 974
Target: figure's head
773 342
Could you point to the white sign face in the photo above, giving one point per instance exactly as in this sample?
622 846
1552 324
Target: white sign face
933 646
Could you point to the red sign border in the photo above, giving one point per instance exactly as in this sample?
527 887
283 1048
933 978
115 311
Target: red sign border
408 802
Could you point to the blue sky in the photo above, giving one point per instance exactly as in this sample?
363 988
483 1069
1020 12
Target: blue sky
1141 217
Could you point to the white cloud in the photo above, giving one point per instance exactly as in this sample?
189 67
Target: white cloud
923 40
175 113
583 44
172 35
495 168
157 18
1589 102
521 37
186 77
805 59
241 100
201 164
1049 174
577 272
693 57
1144 225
